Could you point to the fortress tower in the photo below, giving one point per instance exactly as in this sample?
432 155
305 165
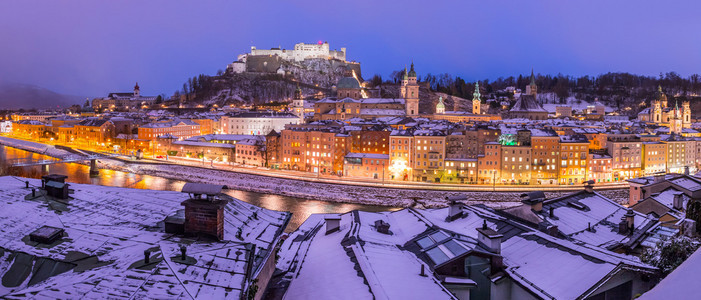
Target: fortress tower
410 92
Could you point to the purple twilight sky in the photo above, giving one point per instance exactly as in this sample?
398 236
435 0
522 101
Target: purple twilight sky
93 47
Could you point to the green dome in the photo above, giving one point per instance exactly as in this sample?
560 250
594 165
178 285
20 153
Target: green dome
348 83
412 73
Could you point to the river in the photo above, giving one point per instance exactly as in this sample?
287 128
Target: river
77 173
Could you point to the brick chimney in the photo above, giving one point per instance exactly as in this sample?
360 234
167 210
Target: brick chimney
489 238
204 211
204 216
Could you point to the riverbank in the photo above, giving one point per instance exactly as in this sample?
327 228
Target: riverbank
396 197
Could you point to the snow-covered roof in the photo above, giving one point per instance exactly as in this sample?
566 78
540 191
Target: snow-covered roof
359 261
107 231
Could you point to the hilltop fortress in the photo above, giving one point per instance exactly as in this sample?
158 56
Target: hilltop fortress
271 60
301 52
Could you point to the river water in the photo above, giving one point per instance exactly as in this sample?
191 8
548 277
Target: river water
77 173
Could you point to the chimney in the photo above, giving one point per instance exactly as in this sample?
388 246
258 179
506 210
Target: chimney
333 223
678 202
534 199
489 238
630 220
423 271
454 208
623 226
147 256
205 217
589 186
183 252
686 170
382 226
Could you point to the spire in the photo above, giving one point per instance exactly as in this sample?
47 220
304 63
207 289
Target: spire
136 87
406 74
476 95
412 73
532 77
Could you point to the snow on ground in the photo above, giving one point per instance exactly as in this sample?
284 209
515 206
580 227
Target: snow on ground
304 189
35 147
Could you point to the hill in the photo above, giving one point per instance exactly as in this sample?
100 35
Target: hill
27 96
267 78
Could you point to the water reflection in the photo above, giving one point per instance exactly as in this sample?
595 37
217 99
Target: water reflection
300 208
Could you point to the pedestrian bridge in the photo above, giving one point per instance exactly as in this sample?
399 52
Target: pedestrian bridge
70 159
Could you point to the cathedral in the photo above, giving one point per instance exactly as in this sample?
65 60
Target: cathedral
661 114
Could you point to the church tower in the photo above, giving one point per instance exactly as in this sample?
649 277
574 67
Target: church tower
440 107
656 113
661 97
675 123
532 88
410 92
476 102
298 104
137 93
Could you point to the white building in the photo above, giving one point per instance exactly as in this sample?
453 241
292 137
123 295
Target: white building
6 127
256 123
303 51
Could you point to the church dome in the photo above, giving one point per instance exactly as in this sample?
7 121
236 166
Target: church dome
348 83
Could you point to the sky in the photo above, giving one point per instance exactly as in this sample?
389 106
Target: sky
91 48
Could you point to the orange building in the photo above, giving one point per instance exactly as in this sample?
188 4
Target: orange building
367 165
309 151
489 164
545 150
95 132
401 155
180 128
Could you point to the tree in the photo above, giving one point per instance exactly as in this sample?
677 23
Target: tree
87 102
376 80
159 99
668 254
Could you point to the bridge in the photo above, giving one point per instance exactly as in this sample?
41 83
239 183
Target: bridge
29 162
94 171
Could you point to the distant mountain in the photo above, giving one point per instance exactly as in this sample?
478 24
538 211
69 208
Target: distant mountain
27 96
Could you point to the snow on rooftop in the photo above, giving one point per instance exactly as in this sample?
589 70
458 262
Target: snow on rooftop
108 229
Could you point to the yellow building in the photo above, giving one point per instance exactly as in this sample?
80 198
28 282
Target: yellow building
574 150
